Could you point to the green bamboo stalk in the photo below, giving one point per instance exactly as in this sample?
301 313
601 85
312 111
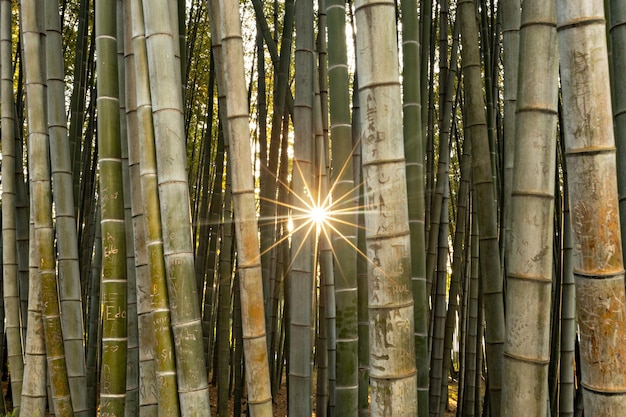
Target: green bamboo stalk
223 328
485 200
268 184
281 272
114 268
428 121
205 230
426 10
470 390
320 188
438 245
10 282
486 48
567 388
414 152
459 260
326 335
511 15
223 147
78 98
344 198
302 250
132 361
267 180
94 316
238 349
208 318
440 284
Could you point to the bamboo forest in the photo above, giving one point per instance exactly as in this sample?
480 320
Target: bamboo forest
329 208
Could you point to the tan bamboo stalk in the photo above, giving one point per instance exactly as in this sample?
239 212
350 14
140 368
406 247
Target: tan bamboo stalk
392 353
148 398
132 359
34 393
44 280
171 157
530 259
10 283
165 363
248 255
65 219
165 88
592 180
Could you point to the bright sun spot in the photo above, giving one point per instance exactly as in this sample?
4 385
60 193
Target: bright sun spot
318 215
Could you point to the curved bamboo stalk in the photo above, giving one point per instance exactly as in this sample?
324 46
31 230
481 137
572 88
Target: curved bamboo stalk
67 239
592 177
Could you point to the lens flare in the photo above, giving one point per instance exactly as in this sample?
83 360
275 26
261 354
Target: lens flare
318 215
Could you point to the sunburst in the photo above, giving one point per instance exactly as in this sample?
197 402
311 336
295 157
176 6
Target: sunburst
319 216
